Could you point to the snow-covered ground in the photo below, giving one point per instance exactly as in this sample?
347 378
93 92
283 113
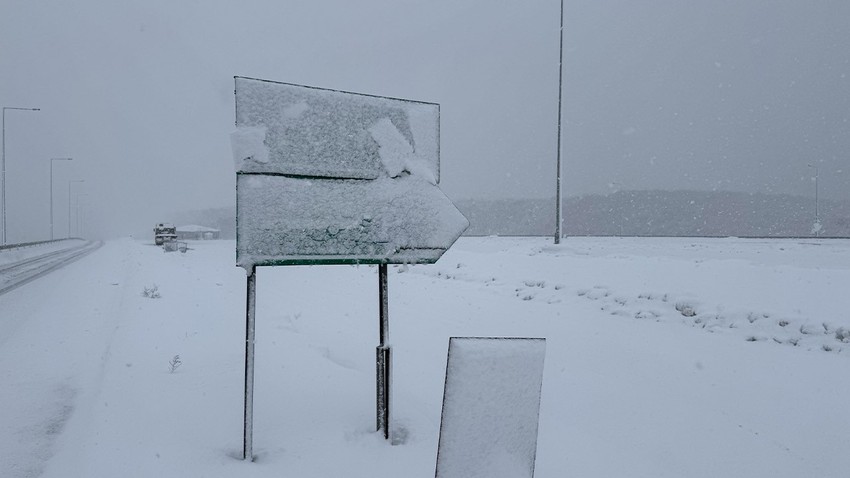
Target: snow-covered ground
664 357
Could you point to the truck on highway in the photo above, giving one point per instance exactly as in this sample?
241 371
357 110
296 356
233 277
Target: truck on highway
164 232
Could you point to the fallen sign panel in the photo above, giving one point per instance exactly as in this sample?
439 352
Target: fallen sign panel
491 407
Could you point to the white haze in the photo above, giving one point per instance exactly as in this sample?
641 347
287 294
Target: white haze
665 94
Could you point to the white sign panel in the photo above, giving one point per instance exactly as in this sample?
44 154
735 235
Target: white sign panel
330 177
491 407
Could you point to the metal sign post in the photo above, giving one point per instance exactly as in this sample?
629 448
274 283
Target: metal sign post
331 177
383 356
248 430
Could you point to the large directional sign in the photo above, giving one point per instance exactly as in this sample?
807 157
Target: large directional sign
330 177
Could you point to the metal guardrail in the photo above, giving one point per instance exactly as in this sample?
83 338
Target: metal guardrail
27 270
30 244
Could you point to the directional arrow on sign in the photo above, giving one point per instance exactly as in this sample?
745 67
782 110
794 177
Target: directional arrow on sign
330 177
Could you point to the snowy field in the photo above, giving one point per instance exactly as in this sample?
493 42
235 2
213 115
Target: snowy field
665 357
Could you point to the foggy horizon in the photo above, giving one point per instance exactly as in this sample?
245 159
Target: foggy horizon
656 95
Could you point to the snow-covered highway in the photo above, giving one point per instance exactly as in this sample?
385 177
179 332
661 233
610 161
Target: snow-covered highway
21 265
665 357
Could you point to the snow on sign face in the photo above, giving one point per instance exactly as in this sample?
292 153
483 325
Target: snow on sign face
331 134
491 407
328 177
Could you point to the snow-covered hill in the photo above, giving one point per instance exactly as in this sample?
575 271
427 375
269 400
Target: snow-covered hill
662 213
665 357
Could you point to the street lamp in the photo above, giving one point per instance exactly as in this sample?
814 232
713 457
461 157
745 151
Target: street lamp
77 212
559 214
817 226
69 202
3 167
51 192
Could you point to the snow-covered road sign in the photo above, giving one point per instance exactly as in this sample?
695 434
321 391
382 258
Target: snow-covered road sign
330 177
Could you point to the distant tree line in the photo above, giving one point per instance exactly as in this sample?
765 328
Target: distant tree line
661 213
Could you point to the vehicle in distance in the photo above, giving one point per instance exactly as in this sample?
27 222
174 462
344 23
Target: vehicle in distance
164 232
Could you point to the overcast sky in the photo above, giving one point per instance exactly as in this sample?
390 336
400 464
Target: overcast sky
711 95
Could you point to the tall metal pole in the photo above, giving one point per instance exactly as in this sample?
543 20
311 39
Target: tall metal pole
51 192
248 429
69 202
558 213
3 167
817 201
77 214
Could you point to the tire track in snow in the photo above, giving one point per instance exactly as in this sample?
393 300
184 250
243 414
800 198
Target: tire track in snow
51 368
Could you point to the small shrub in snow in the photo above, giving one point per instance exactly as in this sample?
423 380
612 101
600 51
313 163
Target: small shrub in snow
685 309
647 314
783 323
535 283
650 296
151 292
842 335
811 329
752 317
174 364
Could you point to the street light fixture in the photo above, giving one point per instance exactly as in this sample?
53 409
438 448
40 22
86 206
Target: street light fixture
51 192
69 202
3 167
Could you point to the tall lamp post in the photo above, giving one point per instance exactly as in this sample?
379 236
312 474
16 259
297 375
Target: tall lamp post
559 218
816 228
77 214
51 192
3 167
70 181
